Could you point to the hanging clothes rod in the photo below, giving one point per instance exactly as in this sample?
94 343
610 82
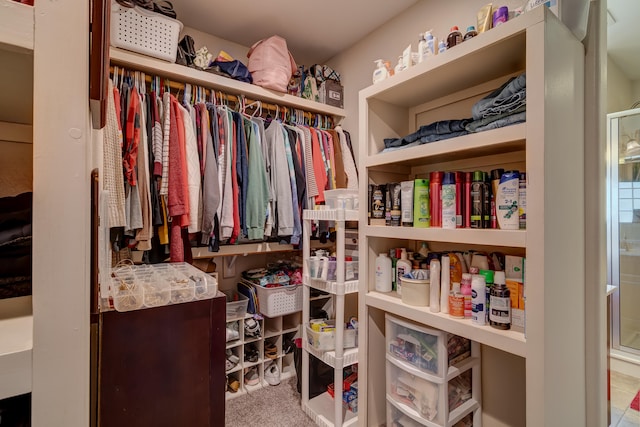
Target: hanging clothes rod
239 100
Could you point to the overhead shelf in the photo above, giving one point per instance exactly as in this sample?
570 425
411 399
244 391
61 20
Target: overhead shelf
16 25
16 345
470 236
333 287
509 341
242 249
213 81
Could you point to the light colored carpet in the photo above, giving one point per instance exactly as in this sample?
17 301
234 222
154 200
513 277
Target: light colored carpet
271 406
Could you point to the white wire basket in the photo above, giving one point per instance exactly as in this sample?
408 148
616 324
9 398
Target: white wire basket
279 301
143 31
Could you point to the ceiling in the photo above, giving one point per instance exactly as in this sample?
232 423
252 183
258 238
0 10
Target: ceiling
315 30
623 36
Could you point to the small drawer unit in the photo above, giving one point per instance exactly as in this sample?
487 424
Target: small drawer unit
432 377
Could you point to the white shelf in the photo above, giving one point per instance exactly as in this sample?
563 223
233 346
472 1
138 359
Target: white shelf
241 249
330 215
210 80
289 330
471 236
16 25
321 410
241 392
509 341
501 140
16 344
349 356
332 287
454 416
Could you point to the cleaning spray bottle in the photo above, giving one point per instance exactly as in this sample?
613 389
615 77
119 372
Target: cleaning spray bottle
381 72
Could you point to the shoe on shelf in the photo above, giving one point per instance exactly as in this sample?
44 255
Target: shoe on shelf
251 376
251 354
272 374
232 331
232 384
232 360
270 350
251 328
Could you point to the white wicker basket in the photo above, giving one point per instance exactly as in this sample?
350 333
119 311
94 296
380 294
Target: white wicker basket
279 301
143 31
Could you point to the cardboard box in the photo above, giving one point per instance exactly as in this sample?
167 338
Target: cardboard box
517 320
514 289
521 296
332 93
514 267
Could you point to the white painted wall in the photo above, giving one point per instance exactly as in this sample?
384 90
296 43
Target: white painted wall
619 96
356 66
635 91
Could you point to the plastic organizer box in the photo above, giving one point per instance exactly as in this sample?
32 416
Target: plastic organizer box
342 198
278 301
325 341
327 269
155 285
236 305
429 350
143 31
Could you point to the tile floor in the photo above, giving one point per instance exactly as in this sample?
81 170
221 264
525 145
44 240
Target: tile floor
623 389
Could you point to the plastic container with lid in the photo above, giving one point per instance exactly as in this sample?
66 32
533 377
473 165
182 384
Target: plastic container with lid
415 292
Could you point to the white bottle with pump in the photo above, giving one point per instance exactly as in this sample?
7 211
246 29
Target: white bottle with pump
422 48
383 273
381 72
403 266
431 44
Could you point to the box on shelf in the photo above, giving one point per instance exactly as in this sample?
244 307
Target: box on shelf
429 350
331 93
325 341
349 392
143 31
236 305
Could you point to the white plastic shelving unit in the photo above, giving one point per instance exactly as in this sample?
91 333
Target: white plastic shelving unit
526 378
323 409
16 166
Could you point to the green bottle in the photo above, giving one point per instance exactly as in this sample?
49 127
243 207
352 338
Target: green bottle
421 202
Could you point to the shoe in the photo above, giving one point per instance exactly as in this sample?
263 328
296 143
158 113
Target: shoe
232 360
251 376
251 328
272 374
251 354
233 385
270 351
232 331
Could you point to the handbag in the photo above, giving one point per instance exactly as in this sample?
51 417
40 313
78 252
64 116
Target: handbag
271 64
186 51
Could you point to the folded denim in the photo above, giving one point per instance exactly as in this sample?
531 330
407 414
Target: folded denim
471 127
426 139
443 127
506 98
505 121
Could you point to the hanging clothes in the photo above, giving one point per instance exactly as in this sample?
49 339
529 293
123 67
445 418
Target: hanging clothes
113 180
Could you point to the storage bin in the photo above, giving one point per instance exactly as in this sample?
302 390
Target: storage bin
205 286
280 300
143 31
236 305
430 350
127 294
317 269
341 198
415 292
157 291
325 341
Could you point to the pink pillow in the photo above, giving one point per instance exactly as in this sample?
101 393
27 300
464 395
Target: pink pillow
271 64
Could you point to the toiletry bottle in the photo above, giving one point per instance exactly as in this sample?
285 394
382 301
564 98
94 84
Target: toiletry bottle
406 203
471 32
465 288
449 200
466 217
500 16
477 199
488 281
435 186
442 46
422 48
403 266
454 37
424 250
369 195
456 301
396 212
495 181
478 299
500 307
459 198
383 273
394 259
445 283
522 201
399 66
380 73
507 201
421 204
431 44
387 205
434 286
377 205
486 205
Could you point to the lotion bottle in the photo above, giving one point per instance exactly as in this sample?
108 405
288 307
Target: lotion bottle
383 273
431 44
403 266
381 72
422 48
434 289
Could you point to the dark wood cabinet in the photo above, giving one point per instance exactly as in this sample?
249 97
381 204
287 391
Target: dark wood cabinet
163 366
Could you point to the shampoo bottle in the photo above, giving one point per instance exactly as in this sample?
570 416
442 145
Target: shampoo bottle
477 199
495 182
471 32
435 184
383 273
507 201
449 200
421 202
381 72
454 37
403 266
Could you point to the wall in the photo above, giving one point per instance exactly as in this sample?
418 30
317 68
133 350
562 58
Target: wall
619 97
635 91
356 65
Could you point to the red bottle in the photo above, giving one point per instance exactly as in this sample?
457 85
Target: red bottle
466 195
435 189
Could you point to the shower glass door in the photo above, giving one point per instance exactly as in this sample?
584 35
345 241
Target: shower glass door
624 227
